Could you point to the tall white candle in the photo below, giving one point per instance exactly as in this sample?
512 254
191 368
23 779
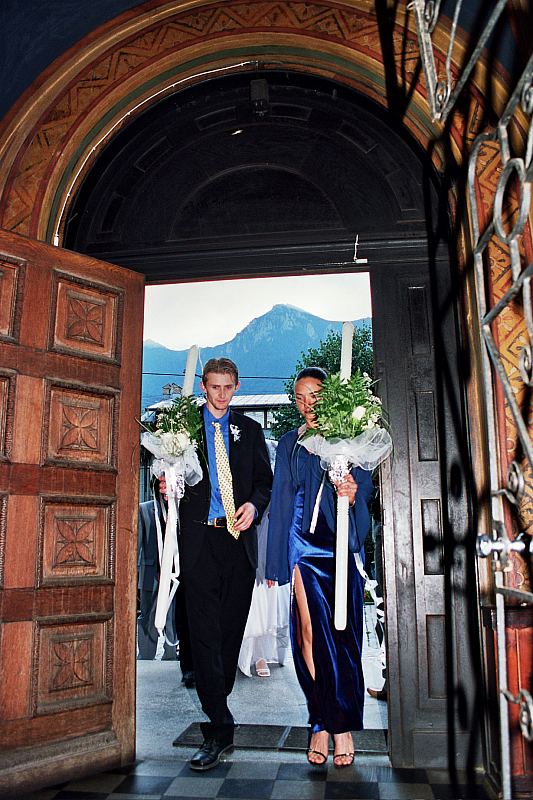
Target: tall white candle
346 350
190 371
343 509
341 563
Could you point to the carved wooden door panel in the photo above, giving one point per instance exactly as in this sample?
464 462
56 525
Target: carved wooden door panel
70 377
430 604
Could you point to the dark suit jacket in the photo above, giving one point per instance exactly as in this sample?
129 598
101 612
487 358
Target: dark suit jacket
252 479
148 551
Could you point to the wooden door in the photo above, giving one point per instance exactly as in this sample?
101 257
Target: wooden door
433 646
70 378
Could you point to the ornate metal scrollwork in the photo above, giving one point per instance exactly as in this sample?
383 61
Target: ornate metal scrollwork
525 715
525 365
441 97
514 490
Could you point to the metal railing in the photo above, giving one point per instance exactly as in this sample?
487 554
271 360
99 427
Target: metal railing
515 177
441 96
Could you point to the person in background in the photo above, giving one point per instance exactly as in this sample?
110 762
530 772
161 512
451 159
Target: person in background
266 636
327 661
176 629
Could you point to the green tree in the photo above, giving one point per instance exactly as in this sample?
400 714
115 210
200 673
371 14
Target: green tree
328 356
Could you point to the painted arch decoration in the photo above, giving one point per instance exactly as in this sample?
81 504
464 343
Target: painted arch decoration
51 139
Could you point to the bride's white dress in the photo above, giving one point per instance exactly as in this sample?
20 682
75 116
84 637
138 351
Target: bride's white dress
267 629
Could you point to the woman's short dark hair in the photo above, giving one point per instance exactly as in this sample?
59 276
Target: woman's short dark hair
310 372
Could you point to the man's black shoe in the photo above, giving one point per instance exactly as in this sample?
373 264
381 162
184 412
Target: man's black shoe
209 754
188 679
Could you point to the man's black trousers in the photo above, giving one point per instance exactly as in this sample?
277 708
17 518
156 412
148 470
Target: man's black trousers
218 592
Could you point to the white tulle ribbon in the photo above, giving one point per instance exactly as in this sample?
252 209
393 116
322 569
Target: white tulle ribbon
367 450
177 471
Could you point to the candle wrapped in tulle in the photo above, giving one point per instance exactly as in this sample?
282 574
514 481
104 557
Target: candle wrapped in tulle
349 433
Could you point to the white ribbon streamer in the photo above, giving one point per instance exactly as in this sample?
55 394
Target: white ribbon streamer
170 563
178 469
160 554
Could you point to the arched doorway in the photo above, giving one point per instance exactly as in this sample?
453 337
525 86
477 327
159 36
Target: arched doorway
434 720
257 171
271 173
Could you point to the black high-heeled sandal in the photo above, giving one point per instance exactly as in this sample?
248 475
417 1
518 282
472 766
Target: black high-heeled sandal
310 750
343 755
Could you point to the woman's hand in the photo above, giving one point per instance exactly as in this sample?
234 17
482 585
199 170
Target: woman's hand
347 487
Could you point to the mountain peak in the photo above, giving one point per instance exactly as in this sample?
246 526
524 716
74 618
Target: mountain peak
149 344
266 352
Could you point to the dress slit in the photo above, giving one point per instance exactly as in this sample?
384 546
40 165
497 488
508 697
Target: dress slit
335 698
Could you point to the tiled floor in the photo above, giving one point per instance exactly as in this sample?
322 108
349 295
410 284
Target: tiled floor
165 709
368 778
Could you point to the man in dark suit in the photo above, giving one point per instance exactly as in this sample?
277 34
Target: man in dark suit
218 552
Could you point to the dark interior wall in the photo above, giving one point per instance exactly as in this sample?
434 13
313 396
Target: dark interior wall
36 32
255 171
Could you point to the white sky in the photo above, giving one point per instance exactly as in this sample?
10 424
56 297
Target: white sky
208 314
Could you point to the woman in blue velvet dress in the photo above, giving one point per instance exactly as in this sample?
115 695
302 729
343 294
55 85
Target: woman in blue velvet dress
327 661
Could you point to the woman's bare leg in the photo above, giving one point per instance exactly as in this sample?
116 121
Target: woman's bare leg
305 621
318 746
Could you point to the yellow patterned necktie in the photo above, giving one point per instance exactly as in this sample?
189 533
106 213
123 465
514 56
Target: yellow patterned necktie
225 480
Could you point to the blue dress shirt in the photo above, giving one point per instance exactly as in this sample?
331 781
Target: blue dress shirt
216 508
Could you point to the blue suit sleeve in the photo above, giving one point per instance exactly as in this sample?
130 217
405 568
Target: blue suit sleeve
281 507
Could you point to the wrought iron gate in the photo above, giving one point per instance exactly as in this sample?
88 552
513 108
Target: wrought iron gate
494 227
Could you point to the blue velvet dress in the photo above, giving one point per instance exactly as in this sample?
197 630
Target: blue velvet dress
335 697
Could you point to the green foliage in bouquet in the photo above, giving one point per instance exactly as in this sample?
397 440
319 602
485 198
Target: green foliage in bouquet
177 426
345 409
182 416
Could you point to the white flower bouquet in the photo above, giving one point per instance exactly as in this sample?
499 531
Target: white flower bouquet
173 443
350 429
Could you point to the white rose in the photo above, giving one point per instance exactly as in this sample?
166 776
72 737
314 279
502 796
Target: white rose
181 440
359 412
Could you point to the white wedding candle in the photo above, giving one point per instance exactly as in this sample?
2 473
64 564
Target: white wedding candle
343 508
341 563
346 350
170 569
190 371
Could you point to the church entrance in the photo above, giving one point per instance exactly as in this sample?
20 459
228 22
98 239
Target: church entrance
277 173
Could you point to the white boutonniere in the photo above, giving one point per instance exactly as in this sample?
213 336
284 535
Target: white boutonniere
236 431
